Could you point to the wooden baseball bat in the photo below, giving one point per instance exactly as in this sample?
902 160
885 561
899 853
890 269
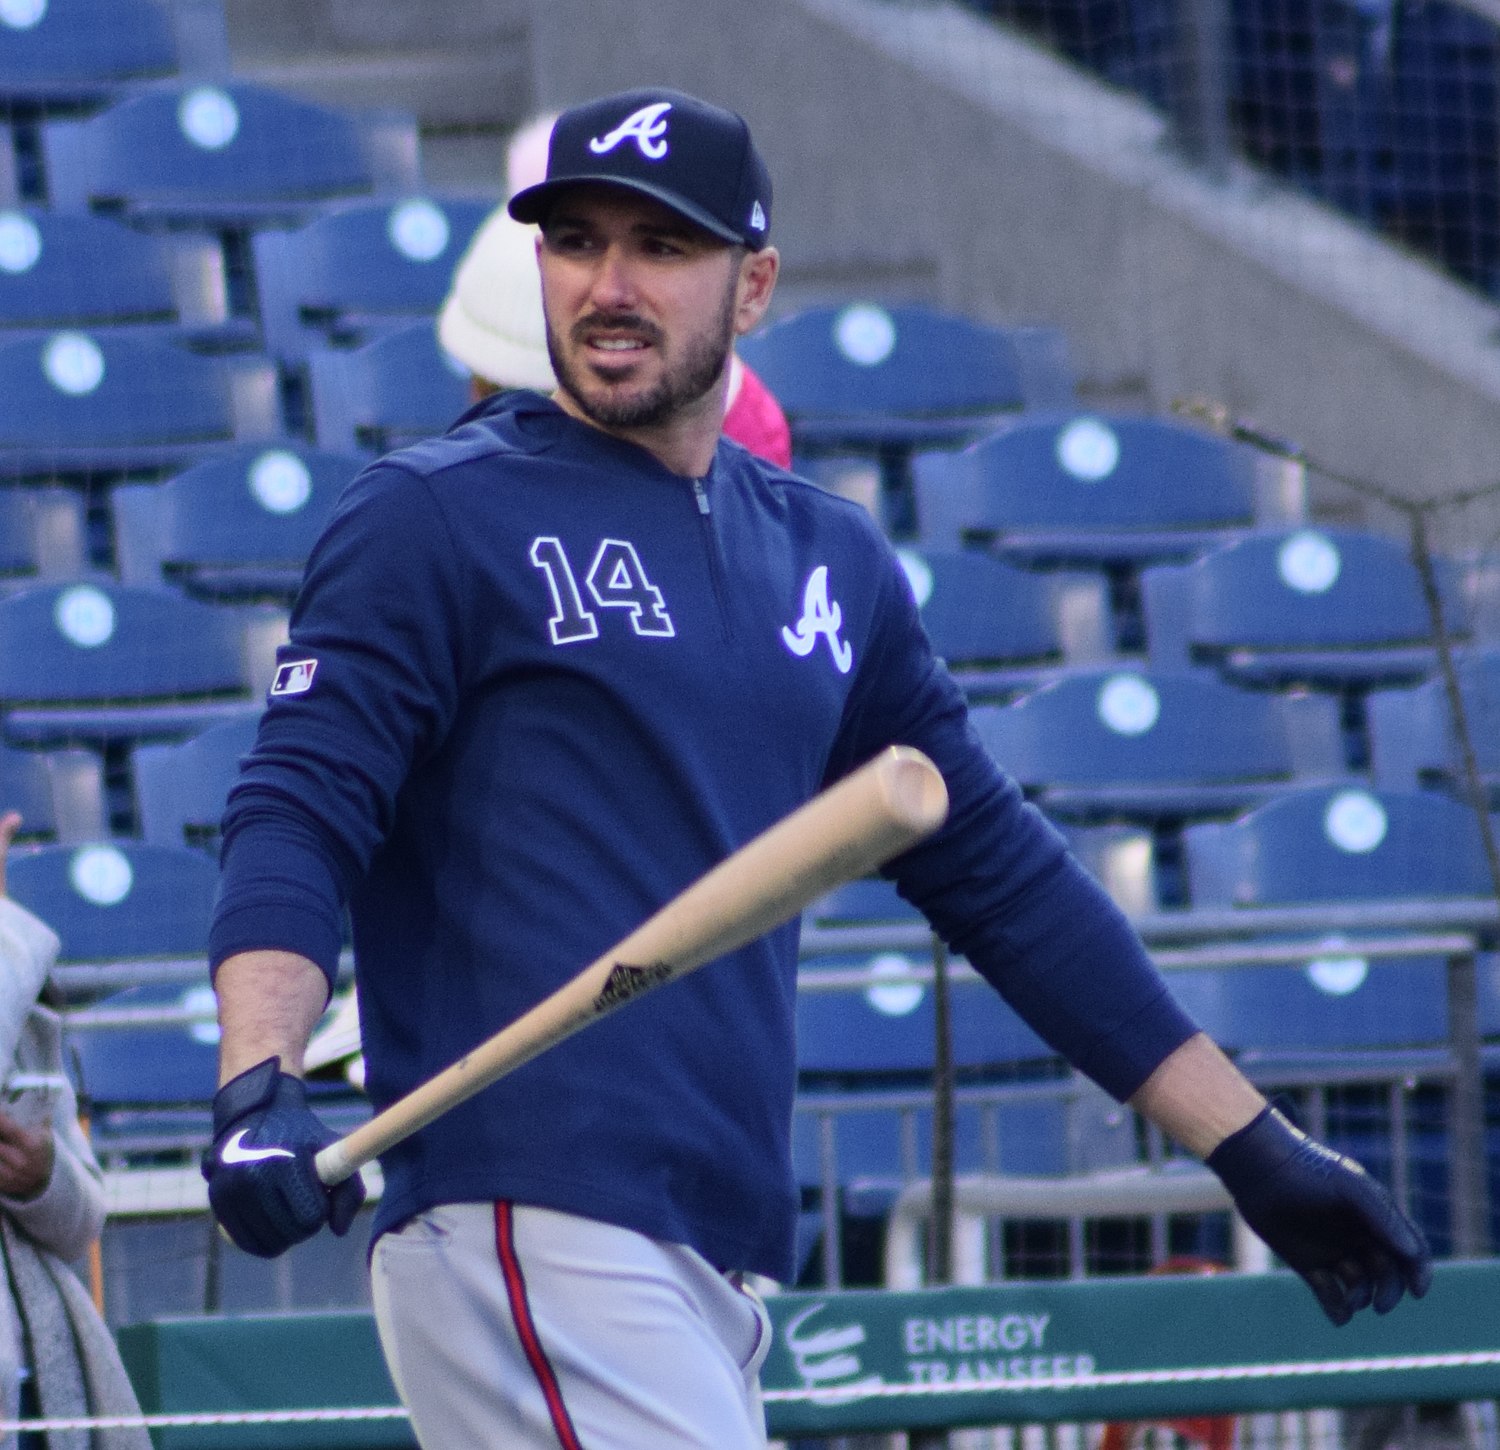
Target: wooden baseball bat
842 833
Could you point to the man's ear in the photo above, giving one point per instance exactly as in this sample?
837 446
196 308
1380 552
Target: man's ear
758 273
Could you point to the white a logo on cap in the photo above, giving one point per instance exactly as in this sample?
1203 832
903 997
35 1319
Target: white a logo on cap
757 218
646 127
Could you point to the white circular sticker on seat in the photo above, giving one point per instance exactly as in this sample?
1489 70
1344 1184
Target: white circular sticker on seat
1308 562
1128 704
20 243
865 334
101 874
1339 973
22 14
73 363
85 616
418 230
201 999
1355 822
918 574
280 482
900 998
208 117
1088 449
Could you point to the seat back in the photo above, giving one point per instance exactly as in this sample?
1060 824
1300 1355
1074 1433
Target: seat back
181 788
80 270
75 50
1309 588
69 392
978 610
115 900
867 360
170 1064
93 642
1086 473
1127 727
1337 844
1412 731
242 521
362 264
192 145
396 389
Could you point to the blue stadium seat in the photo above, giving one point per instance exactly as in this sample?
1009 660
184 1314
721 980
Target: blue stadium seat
360 268
1337 843
224 155
181 787
60 793
869 900
1412 736
81 403
1090 488
238 525
1126 744
115 900
1311 605
1327 845
995 626
879 382
1122 859
866 374
392 391
69 53
1336 1001
82 271
42 533
148 1086
92 661
168 1064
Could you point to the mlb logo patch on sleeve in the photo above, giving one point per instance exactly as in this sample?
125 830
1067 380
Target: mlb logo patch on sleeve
295 677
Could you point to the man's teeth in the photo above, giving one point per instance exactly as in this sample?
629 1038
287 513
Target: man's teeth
618 344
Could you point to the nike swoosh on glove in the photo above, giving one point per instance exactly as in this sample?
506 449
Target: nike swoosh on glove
1324 1216
263 1184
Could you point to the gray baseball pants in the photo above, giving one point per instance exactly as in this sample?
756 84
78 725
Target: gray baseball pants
524 1328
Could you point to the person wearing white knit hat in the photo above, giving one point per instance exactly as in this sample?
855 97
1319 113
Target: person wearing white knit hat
492 320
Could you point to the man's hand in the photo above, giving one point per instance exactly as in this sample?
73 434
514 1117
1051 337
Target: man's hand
1324 1216
262 1183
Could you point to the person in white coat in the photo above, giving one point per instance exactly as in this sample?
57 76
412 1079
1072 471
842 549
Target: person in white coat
53 1342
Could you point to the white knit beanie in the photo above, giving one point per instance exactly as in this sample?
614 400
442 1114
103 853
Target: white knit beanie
492 320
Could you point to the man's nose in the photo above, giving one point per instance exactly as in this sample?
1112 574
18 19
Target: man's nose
613 285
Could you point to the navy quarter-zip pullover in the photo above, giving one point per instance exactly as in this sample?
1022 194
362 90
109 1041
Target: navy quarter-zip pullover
536 685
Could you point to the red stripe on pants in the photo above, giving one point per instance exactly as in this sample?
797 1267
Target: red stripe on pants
520 1309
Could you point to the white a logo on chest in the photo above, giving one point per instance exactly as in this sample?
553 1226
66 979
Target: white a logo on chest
820 620
646 127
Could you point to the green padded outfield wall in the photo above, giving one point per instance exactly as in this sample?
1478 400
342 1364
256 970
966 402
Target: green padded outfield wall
1135 1348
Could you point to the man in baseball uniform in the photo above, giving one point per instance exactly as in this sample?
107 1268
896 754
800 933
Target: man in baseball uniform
543 673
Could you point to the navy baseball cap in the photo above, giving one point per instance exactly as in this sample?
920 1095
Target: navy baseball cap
696 158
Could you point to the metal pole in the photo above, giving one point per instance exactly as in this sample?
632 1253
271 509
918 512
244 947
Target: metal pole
940 1221
1468 1176
1200 85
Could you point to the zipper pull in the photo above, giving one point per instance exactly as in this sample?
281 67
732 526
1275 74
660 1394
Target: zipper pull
701 494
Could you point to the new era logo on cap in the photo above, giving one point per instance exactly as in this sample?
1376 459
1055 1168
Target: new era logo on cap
295 677
689 155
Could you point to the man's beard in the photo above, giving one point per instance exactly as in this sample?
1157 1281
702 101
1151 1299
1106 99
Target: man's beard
701 366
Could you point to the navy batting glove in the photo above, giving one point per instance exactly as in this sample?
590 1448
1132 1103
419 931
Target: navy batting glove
262 1184
1324 1216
